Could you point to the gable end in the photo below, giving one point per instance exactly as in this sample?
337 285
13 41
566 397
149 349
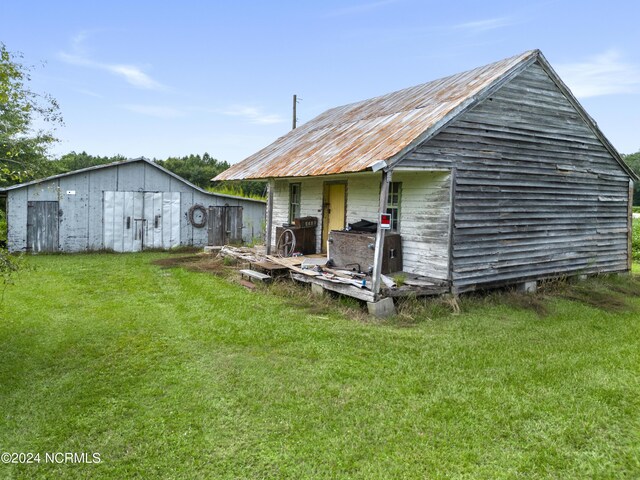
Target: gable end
537 192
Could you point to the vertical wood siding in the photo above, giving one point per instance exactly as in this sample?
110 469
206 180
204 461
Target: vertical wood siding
17 220
536 194
81 219
99 181
74 221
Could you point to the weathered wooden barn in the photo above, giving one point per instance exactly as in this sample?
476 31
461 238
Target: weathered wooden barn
492 176
125 206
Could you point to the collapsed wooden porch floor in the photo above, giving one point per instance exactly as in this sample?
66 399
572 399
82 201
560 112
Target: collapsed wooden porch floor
311 269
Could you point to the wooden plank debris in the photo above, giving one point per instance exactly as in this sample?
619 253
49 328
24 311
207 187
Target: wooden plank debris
241 253
388 282
267 266
345 289
342 281
253 275
247 284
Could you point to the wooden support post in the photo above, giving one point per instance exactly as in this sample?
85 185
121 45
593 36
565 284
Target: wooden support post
630 228
452 199
269 226
377 255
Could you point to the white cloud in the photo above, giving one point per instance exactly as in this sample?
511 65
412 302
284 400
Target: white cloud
157 111
485 25
135 76
132 74
603 74
253 114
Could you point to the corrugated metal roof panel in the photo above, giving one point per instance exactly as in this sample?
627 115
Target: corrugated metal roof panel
352 137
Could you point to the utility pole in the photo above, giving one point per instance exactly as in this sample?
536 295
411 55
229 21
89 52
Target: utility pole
295 103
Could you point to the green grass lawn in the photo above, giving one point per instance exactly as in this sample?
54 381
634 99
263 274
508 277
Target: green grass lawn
169 373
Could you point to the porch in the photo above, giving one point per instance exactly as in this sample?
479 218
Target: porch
341 217
313 269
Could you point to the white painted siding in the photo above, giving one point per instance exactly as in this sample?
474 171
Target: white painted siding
280 207
45 192
363 197
310 202
17 220
424 213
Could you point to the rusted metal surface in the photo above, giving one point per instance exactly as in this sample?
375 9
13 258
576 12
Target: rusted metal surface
353 137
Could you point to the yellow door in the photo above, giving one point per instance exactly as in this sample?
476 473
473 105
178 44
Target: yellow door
333 215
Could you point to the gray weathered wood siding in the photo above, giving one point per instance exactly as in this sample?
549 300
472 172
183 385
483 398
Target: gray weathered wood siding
81 218
536 192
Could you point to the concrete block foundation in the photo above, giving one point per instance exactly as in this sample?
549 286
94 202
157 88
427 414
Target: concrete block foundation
382 308
527 287
318 290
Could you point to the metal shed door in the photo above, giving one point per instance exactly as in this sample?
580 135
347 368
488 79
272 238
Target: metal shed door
42 226
162 219
137 220
123 221
225 225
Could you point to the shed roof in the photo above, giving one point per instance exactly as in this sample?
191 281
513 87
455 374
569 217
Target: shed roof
354 137
124 162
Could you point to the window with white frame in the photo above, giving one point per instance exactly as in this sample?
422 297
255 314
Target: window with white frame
294 201
393 204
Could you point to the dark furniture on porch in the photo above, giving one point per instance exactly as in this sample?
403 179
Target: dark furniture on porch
353 250
304 230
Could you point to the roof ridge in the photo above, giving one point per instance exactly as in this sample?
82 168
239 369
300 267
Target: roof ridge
351 137
520 56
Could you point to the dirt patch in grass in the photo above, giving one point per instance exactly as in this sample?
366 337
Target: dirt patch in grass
599 297
522 301
176 261
611 293
605 292
196 263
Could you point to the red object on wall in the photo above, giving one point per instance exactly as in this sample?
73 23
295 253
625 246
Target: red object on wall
385 221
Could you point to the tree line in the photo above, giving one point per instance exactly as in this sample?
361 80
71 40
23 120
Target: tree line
633 161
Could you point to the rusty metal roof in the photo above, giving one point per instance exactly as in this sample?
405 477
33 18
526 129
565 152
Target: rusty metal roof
353 137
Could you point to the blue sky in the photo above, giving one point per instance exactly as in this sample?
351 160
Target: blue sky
166 78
